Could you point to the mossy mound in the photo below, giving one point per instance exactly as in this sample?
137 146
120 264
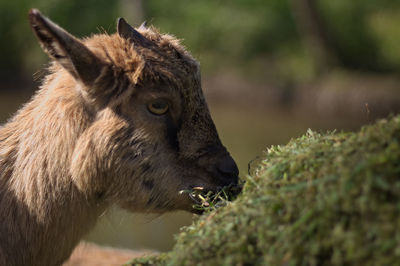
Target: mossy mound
331 199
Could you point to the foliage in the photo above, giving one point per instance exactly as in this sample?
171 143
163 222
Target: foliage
19 48
261 36
257 37
207 201
323 199
224 33
366 30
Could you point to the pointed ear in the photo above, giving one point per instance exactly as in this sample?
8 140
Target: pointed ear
67 50
143 26
126 31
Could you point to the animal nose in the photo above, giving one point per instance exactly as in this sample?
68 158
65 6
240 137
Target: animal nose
228 169
227 166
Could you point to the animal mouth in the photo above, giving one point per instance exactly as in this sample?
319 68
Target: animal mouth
205 199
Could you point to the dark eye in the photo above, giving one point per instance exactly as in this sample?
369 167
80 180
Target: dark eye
158 107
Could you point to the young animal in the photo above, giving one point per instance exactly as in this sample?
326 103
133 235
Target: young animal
120 120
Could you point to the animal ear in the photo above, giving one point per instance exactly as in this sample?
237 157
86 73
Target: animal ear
143 26
61 46
126 31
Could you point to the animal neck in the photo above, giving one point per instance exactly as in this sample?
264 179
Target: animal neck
43 214
43 232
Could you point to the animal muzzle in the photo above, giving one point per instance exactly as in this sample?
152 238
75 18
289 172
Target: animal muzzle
221 169
226 171
221 174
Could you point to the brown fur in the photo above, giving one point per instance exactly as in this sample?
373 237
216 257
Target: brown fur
87 141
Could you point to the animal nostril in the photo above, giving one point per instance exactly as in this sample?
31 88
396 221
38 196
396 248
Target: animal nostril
227 166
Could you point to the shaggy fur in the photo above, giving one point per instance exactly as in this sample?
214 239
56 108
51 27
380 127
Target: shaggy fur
87 140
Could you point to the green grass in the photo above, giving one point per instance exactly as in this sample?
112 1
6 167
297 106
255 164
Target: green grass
322 199
207 201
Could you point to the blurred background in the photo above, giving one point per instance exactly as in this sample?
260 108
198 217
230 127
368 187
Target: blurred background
270 70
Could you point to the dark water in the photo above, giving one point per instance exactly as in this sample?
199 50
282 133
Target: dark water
246 131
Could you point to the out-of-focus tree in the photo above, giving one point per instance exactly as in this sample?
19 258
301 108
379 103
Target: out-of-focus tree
263 39
19 50
133 11
358 34
231 33
316 34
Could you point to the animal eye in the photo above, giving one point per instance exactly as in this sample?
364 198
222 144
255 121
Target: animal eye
158 107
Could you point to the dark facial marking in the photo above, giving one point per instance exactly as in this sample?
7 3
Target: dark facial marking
172 134
195 117
118 109
148 184
99 195
145 167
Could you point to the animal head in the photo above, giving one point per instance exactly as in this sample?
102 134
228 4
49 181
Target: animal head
150 134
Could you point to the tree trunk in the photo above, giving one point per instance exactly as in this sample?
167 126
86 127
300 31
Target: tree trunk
133 11
315 34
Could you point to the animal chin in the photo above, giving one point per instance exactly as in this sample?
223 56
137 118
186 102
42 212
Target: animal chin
196 211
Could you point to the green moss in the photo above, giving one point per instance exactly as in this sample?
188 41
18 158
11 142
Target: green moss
331 199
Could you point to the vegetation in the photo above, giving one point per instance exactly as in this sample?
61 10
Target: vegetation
261 38
207 201
323 199
19 49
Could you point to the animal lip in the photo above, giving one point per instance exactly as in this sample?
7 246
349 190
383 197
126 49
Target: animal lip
210 199
194 199
193 193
